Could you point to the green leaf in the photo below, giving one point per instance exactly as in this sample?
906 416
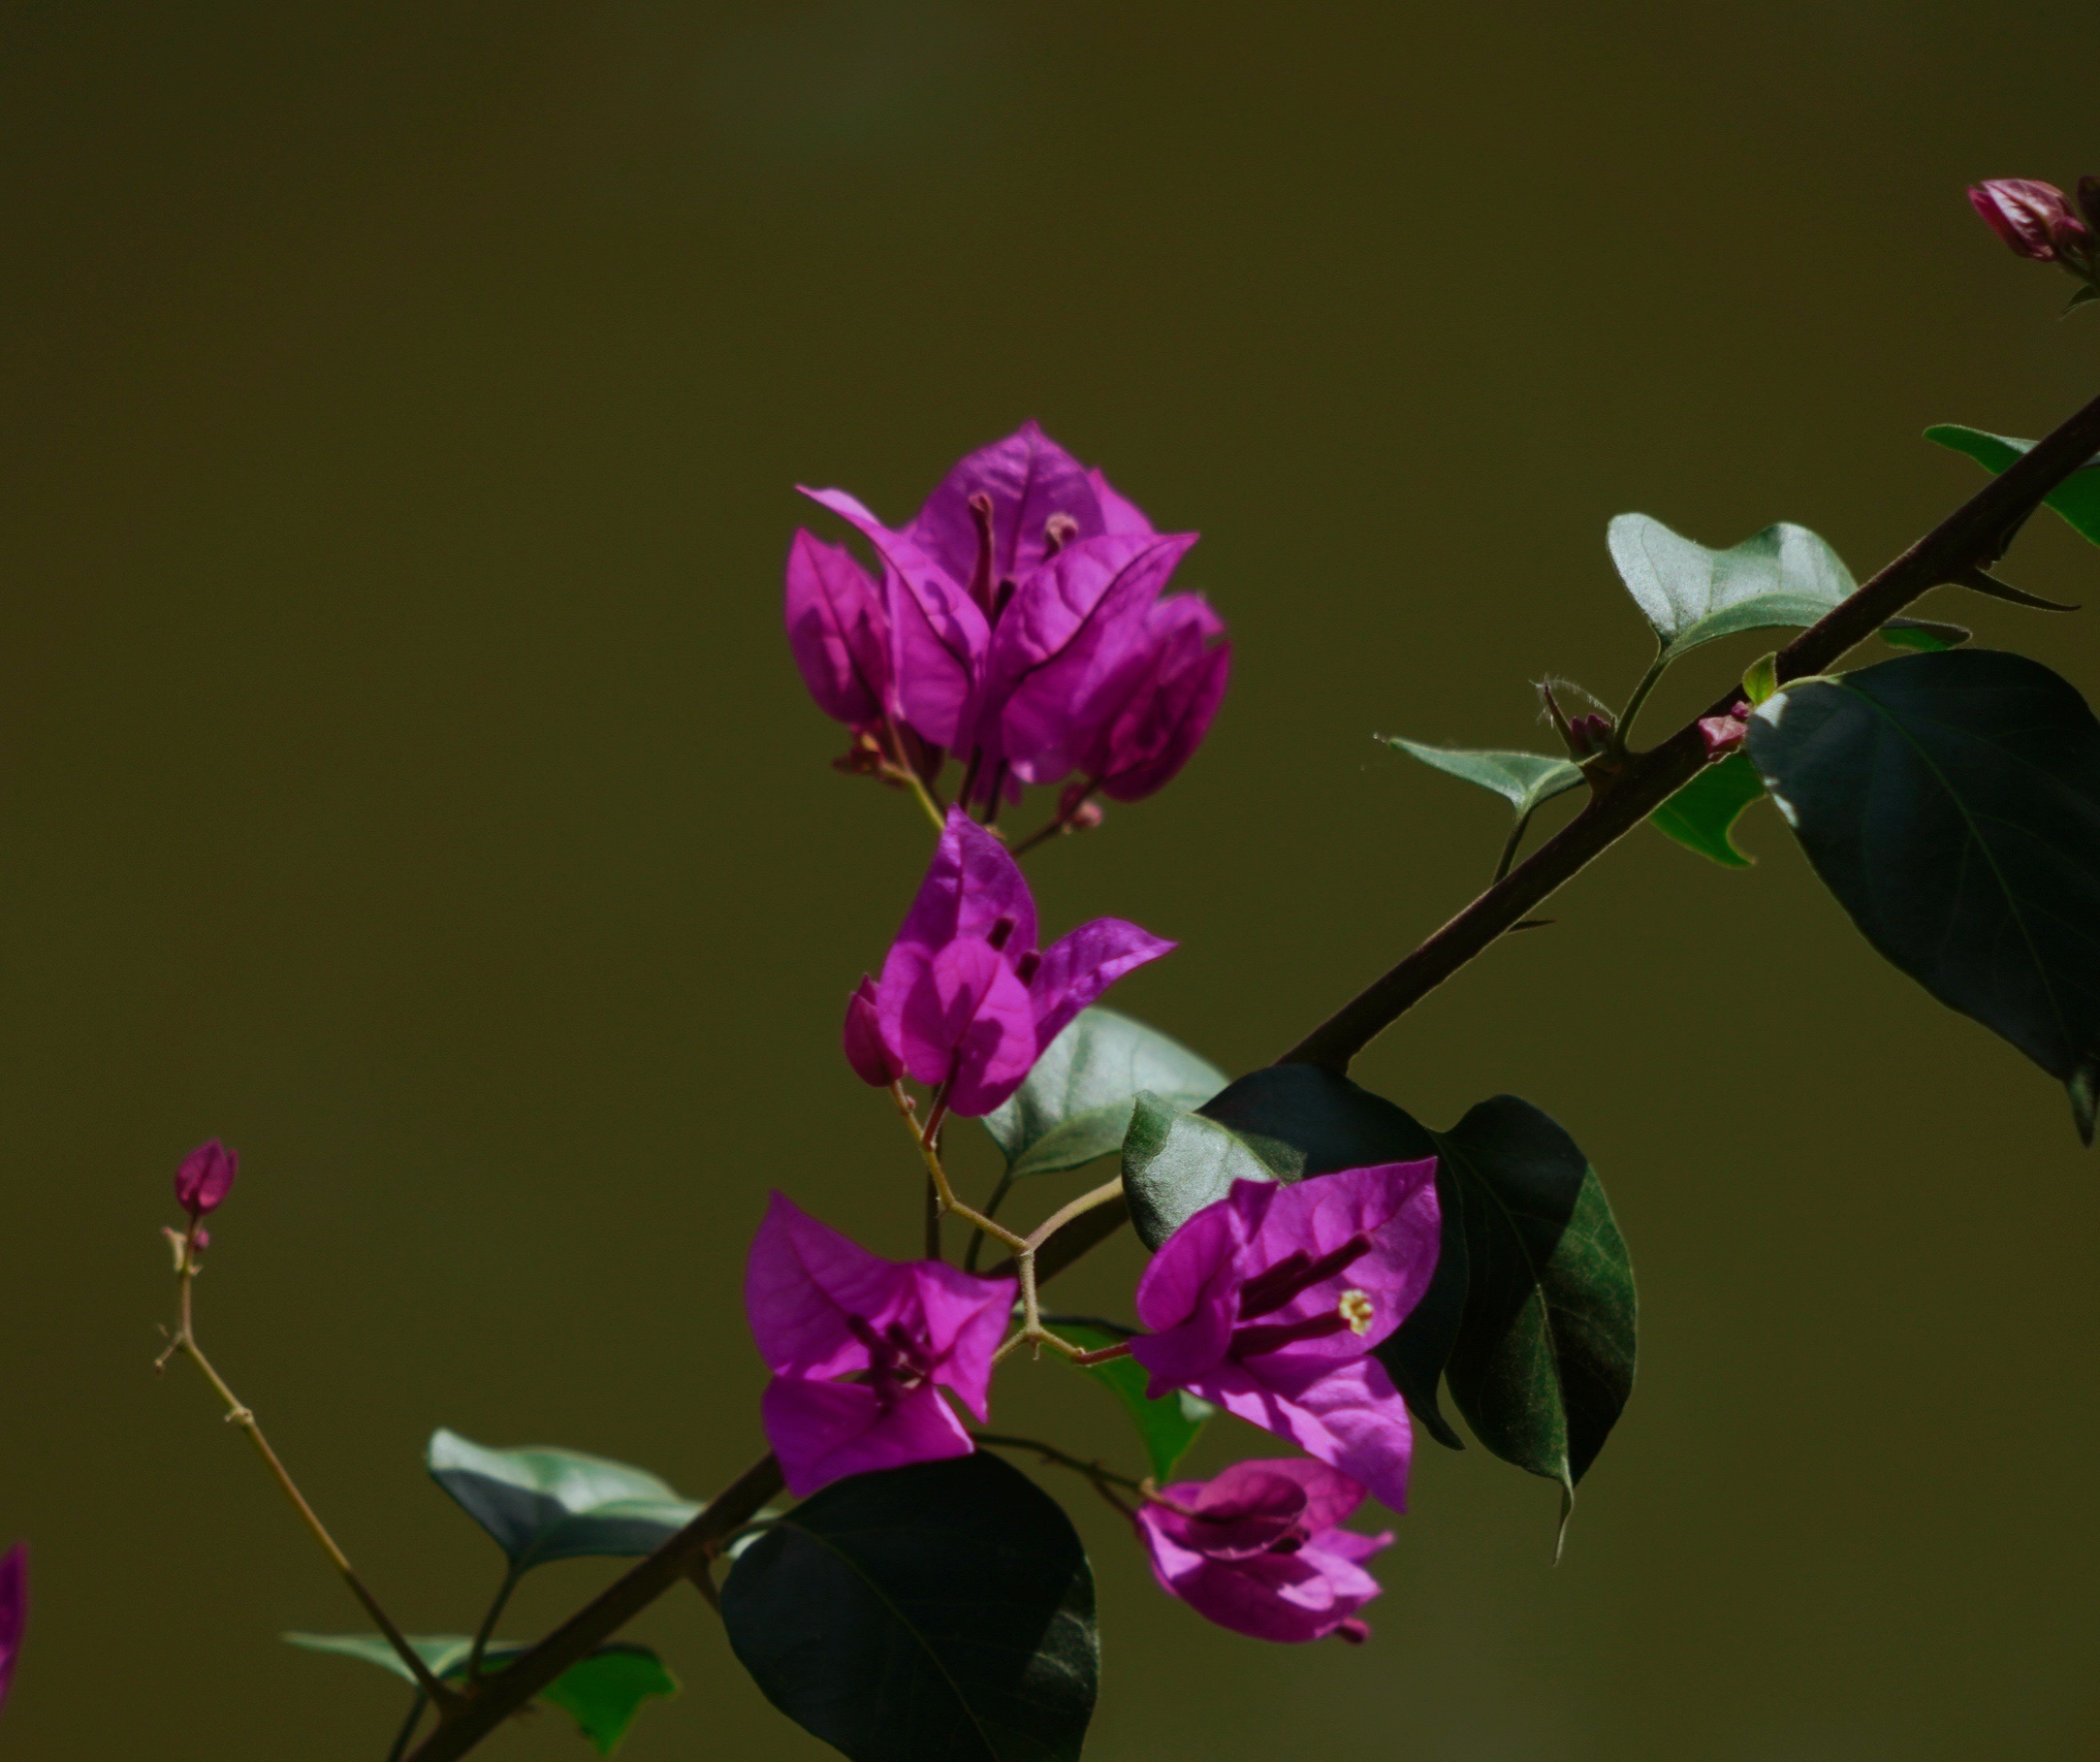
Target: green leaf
2085 296
1075 1105
1523 779
2077 498
1166 1427
939 1612
1761 678
1923 635
1174 1164
1544 1361
1785 576
602 1692
1952 802
544 1504
1699 815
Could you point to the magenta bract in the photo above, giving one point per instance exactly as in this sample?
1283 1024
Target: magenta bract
205 1178
1023 615
13 1612
2035 219
1268 1301
838 631
860 1347
1259 1550
965 997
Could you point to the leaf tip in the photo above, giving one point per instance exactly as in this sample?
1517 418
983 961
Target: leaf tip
2084 1088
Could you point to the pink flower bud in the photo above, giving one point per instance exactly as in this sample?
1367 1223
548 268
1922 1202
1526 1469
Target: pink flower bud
2035 219
1725 733
14 1611
2089 200
205 1178
871 1060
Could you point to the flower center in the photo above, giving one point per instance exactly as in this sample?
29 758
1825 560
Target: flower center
1356 1309
897 1363
1270 1288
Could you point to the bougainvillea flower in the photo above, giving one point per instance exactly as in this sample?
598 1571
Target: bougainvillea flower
965 997
1259 1550
205 1178
2035 219
1266 1303
1725 733
838 631
1019 605
13 1612
860 1348
1169 704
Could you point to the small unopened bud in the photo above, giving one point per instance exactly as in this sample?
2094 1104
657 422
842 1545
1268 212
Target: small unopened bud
1725 733
2035 219
1585 736
1058 532
866 1050
205 1178
1086 816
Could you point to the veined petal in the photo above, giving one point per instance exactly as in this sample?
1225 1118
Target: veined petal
972 884
1393 1205
1170 706
801 1281
824 1431
1030 479
1068 649
1352 1419
1189 1296
1082 964
938 636
965 1319
838 631
1119 514
959 1011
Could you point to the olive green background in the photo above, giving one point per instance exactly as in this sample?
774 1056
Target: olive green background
403 775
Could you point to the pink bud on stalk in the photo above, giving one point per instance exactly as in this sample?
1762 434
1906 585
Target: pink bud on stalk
204 1180
14 1611
2040 222
1725 733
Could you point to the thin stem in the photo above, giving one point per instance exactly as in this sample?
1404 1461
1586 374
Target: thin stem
996 799
974 1246
933 1226
1971 537
1639 698
929 1154
1510 844
1071 1208
911 774
238 1413
1063 819
408 1727
1050 1452
488 1624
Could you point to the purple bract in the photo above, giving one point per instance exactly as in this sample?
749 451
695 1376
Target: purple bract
860 1347
965 998
1268 1301
13 1612
2035 219
1019 620
1259 1550
205 1178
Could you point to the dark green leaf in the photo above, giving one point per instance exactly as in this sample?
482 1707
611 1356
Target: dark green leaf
1700 814
939 1613
1166 1427
1783 577
1544 1357
1075 1105
543 1504
602 1693
2077 498
1523 779
1952 802
2085 296
1923 635
1174 1164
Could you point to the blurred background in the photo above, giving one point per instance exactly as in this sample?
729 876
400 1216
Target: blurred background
402 776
